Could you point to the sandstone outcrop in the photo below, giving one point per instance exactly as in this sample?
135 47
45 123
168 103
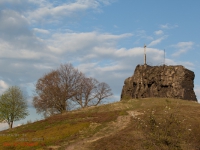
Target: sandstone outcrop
160 81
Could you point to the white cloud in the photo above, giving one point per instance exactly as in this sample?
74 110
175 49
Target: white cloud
56 11
182 47
43 31
12 24
157 41
47 11
159 32
107 2
104 50
178 53
168 26
62 10
129 53
187 45
142 34
187 64
3 86
164 26
110 68
86 67
42 66
9 51
22 50
72 42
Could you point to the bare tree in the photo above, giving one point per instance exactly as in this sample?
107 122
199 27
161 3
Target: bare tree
91 92
71 79
50 96
103 91
13 106
58 88
86 92
55 89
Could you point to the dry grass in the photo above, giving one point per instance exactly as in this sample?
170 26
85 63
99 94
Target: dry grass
166 124
162 124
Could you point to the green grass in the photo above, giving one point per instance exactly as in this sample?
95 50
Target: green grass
57 129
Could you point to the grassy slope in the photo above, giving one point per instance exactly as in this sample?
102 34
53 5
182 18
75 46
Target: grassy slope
163 124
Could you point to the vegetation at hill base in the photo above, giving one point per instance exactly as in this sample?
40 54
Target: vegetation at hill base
150 123
13 106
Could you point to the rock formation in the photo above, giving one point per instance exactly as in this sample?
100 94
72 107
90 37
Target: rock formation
160 81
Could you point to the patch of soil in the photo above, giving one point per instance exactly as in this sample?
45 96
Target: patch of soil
110 129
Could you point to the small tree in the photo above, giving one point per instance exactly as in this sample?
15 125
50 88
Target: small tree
103 91
86 92
13 106
51 97
91 92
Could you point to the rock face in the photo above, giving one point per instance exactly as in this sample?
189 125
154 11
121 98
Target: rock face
160 81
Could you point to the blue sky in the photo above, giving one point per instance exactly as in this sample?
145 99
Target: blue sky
102 38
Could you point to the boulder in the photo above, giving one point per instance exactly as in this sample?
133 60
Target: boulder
160 81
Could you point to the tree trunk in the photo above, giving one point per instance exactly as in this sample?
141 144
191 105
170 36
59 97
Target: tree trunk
10 125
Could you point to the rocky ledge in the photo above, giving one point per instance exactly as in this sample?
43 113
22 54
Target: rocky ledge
160 81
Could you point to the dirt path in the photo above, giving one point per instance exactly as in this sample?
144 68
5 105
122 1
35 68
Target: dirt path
110 129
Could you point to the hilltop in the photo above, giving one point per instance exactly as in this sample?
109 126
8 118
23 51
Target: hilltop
150 123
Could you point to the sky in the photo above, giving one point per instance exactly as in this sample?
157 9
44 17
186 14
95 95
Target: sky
102 38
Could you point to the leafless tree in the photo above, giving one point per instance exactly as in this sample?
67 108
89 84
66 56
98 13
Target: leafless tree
91 92
55 89
86 92
103 91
